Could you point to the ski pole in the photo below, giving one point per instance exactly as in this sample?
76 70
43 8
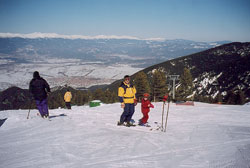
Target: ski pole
164 101
29 109
29 112
162 115
166 118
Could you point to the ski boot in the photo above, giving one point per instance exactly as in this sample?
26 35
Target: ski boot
120 123
129 124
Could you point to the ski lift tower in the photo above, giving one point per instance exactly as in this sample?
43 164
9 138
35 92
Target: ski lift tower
174 78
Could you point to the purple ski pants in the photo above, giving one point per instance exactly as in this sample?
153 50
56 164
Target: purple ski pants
42 106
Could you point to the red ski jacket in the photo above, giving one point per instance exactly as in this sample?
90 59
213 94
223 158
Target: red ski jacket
145 105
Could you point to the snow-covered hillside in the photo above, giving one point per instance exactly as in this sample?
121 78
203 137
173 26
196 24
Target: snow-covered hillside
204 135
59 72
219 74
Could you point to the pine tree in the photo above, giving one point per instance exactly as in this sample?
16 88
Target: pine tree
219 98
141 84
99 95
186 85
109 97
79 98
241 97
90 96
231 97
159 86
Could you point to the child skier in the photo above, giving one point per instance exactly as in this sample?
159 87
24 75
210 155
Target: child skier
145 108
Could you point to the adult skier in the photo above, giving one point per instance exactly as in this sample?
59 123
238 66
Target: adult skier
39 88
67 99
126 94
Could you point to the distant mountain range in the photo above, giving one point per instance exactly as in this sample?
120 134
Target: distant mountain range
81 61
136 52
222 70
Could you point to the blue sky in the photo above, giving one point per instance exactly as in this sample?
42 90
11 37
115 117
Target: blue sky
199 20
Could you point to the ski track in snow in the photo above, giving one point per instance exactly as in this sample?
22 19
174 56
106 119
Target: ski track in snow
204 136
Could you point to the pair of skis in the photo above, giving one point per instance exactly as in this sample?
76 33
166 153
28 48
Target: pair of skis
38 114
164 127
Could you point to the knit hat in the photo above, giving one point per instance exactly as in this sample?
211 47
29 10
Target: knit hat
145 95
36 74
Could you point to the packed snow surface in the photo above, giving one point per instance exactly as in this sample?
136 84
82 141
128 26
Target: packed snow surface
202 136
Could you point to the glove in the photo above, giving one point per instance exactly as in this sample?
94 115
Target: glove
151 105
135 102
165 98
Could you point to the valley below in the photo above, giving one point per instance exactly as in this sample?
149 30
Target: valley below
60 72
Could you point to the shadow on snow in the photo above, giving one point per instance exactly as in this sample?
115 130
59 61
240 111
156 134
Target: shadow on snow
2 121
60 115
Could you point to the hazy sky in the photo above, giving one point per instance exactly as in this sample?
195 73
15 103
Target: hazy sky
199 20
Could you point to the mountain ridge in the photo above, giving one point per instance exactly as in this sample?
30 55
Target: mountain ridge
222 70
86 37
226 67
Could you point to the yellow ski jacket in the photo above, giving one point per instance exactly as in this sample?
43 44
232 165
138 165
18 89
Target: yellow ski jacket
67 96
126 93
